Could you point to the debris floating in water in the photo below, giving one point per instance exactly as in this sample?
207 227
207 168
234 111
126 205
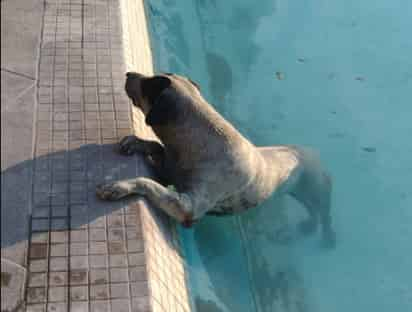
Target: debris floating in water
360 78
301 60
280 75
369 149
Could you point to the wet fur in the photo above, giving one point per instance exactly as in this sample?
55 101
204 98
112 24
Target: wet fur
213 168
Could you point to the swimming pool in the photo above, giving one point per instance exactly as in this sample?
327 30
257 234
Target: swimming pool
336 76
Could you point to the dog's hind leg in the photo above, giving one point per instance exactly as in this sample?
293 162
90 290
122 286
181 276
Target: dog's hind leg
314 191
329 235
310 224
180 206
315 195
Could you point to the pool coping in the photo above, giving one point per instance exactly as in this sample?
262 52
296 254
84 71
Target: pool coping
167 291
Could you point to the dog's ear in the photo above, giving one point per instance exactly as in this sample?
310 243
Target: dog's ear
162 111
152 87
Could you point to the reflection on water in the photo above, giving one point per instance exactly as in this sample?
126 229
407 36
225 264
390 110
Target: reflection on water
332 75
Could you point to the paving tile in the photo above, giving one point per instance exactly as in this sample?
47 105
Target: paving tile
79 293
78 209
36 307
118 260
99 276
139 289
120 305
40 265
38 251
79 277
59 236
106 107
58 294
135 246
133 233
131 220
98 248
58 279
57 306
118 275
97 261
79 262
79 235
137 273
60 176
39 237
58 264
37 279
36 294
59 199
136 259
99 306
141 304
78 198
79 249
97 234
40 224
59 250
79 222
117 247
99 292
79 306
116 234
115 220
59 211
59 224
119 290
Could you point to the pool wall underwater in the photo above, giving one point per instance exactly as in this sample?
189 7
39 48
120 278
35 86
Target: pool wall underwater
335 76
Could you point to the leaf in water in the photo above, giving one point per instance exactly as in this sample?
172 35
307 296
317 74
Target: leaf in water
280 75
369 149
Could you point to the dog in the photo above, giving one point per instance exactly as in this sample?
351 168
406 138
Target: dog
206 167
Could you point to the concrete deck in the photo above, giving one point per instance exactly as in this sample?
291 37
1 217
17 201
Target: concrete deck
63 108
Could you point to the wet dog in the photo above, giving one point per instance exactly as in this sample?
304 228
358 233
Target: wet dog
213 169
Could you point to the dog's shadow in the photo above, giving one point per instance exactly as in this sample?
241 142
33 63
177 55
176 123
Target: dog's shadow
57 191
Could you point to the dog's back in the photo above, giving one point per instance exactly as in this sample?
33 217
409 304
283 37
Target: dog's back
216 150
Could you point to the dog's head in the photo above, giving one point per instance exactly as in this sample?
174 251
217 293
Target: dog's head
160 96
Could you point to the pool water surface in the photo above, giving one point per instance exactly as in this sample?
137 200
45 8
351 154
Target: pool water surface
332 75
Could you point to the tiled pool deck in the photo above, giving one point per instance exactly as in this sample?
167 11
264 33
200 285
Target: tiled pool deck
62 248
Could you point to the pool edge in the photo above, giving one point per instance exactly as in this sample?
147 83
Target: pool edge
164 260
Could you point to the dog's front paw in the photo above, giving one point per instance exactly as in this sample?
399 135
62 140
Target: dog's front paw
114 191
128 145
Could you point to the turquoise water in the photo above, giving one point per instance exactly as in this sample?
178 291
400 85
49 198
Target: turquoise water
334 75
